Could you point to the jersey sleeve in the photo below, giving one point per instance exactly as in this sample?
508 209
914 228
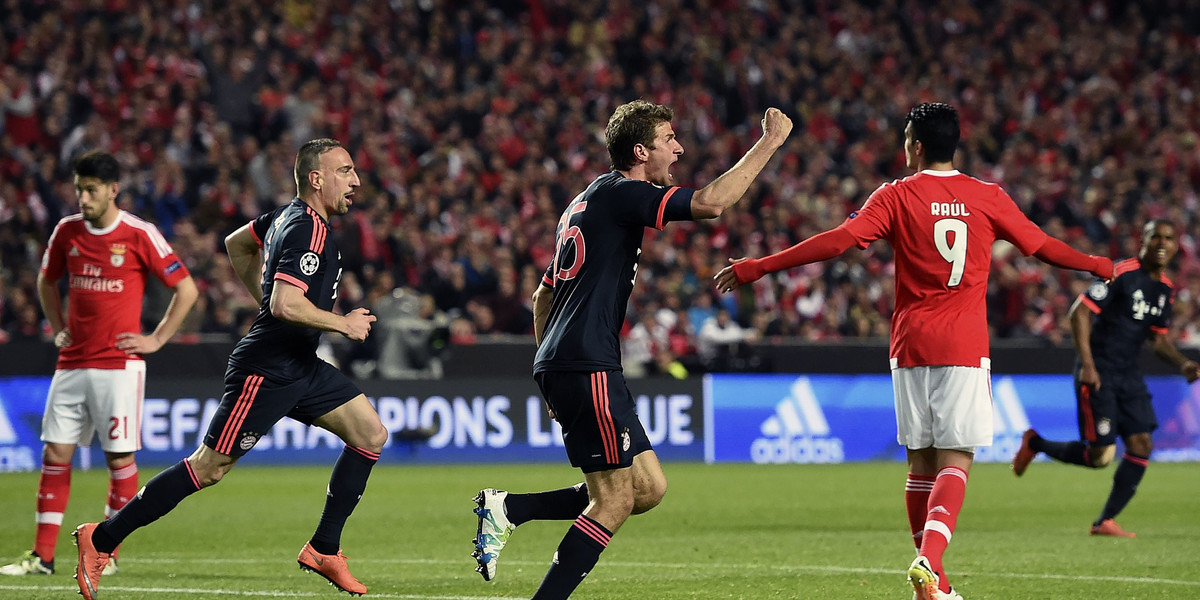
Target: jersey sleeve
644 203
548 276
260 225
298 258
1012 225
1099 294
160 258
54 260
874 220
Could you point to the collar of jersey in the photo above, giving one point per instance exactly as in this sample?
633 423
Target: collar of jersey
950 173
106 230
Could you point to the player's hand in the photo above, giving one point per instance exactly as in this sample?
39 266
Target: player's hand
63 339
739 272
358 324
1104 268
1089 376
136 343
776 126
1191 370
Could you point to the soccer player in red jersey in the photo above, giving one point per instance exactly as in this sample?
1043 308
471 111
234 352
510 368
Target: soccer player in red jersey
106 255
941 224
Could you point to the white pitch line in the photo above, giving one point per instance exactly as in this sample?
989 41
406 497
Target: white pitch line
244 593
465 564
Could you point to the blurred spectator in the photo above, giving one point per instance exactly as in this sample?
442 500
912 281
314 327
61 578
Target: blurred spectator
470 124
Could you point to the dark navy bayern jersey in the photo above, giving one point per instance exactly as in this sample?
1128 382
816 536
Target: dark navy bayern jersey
1128 310
596 253
296 249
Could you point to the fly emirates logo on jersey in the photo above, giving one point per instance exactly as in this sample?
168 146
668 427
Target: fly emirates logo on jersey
93 280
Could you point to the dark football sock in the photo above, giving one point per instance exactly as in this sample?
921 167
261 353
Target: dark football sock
1075 453
160 496
1125 482
577 554
555 505
346 487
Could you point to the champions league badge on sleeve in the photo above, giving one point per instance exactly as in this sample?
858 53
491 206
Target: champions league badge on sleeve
309 263
1098 290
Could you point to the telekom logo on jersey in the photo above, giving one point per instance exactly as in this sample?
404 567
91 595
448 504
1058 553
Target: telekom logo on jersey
92 280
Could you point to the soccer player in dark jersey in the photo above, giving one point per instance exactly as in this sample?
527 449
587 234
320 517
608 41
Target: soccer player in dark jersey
1110 322
578 312
274 372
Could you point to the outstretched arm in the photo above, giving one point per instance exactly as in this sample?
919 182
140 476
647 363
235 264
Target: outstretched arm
822 246
1055 252
711 200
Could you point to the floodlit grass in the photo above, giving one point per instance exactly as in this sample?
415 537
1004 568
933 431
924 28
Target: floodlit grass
728 531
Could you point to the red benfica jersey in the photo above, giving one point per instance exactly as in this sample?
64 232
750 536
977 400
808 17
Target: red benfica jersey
942 225
106 271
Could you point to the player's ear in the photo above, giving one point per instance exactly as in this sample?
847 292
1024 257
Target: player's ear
314 180
640 152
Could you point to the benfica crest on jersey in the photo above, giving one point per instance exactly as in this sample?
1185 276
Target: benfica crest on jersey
118 254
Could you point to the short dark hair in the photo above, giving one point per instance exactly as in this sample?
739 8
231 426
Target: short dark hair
631 124
98 164
308 159
935 125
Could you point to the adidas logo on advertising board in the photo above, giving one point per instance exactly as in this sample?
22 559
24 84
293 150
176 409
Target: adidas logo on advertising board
1009 422
13 457
797 432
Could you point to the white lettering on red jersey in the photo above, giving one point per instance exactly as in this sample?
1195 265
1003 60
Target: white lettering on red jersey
106 273
942 225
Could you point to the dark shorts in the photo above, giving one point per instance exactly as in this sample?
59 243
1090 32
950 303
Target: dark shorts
1121 407
601 430
253 404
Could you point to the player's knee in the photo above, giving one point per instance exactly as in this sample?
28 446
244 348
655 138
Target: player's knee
1100 456
649 496
377 438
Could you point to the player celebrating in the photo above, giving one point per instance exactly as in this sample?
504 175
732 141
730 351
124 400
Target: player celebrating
1111 394
941 224
578 312
99 383
274 372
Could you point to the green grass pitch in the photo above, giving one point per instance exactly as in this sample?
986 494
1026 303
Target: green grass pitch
727 531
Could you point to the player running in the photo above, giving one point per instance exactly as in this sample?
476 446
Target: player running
274 372
578 312
106 254
941 224
1110 322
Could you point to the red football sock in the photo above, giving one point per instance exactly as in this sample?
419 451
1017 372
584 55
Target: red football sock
945 502
122 487
916 500
54 489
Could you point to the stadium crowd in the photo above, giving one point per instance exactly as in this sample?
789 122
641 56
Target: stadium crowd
473 123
